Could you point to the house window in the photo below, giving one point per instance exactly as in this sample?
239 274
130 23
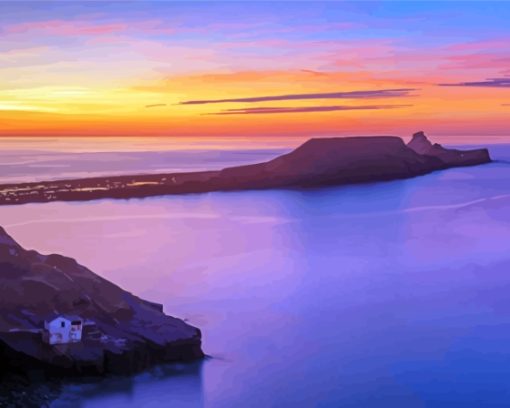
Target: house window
62 324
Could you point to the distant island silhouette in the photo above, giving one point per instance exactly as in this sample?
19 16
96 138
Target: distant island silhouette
316 163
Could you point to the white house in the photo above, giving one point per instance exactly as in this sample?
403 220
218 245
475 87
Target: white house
62 329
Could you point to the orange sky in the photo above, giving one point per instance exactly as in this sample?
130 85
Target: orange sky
343 70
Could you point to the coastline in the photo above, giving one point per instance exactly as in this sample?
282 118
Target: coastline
119 333
316 163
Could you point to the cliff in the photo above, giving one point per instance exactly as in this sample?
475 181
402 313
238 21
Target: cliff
122 333
450 157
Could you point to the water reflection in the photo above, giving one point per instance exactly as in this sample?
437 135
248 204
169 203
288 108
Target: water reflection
164 385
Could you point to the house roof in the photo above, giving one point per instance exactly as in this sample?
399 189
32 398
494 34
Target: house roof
66 316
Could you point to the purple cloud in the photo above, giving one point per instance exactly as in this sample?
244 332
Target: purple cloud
383 93
488 83
155 105
302 109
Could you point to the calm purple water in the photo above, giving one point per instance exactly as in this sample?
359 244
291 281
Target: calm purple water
35 159
18 167
381 295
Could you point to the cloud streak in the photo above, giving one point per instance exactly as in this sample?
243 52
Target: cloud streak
383 93
488 83
62 27
155 105
302 109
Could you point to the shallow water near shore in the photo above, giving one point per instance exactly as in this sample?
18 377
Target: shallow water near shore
388 294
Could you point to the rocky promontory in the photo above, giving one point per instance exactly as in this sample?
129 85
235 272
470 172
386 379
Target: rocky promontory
346 160
451 157
316 163
121 332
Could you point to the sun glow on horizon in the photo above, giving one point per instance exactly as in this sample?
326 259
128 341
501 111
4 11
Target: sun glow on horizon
168 69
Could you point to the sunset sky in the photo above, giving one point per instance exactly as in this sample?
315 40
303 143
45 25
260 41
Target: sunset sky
254 69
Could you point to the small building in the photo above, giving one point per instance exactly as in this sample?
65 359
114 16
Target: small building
62 329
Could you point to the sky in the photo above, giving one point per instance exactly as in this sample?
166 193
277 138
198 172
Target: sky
254 69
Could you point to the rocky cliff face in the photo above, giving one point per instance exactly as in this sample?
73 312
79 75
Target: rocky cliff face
123 333
450 157
349 160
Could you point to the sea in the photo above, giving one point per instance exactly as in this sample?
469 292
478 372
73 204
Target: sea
391 294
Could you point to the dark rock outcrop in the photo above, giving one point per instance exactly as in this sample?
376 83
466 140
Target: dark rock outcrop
450 157
122 333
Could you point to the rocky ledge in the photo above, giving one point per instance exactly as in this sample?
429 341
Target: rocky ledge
121 332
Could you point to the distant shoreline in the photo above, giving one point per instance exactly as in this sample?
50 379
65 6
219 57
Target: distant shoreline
316 163
119 187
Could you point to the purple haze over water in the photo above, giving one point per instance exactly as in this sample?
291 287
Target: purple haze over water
27 162
389 294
